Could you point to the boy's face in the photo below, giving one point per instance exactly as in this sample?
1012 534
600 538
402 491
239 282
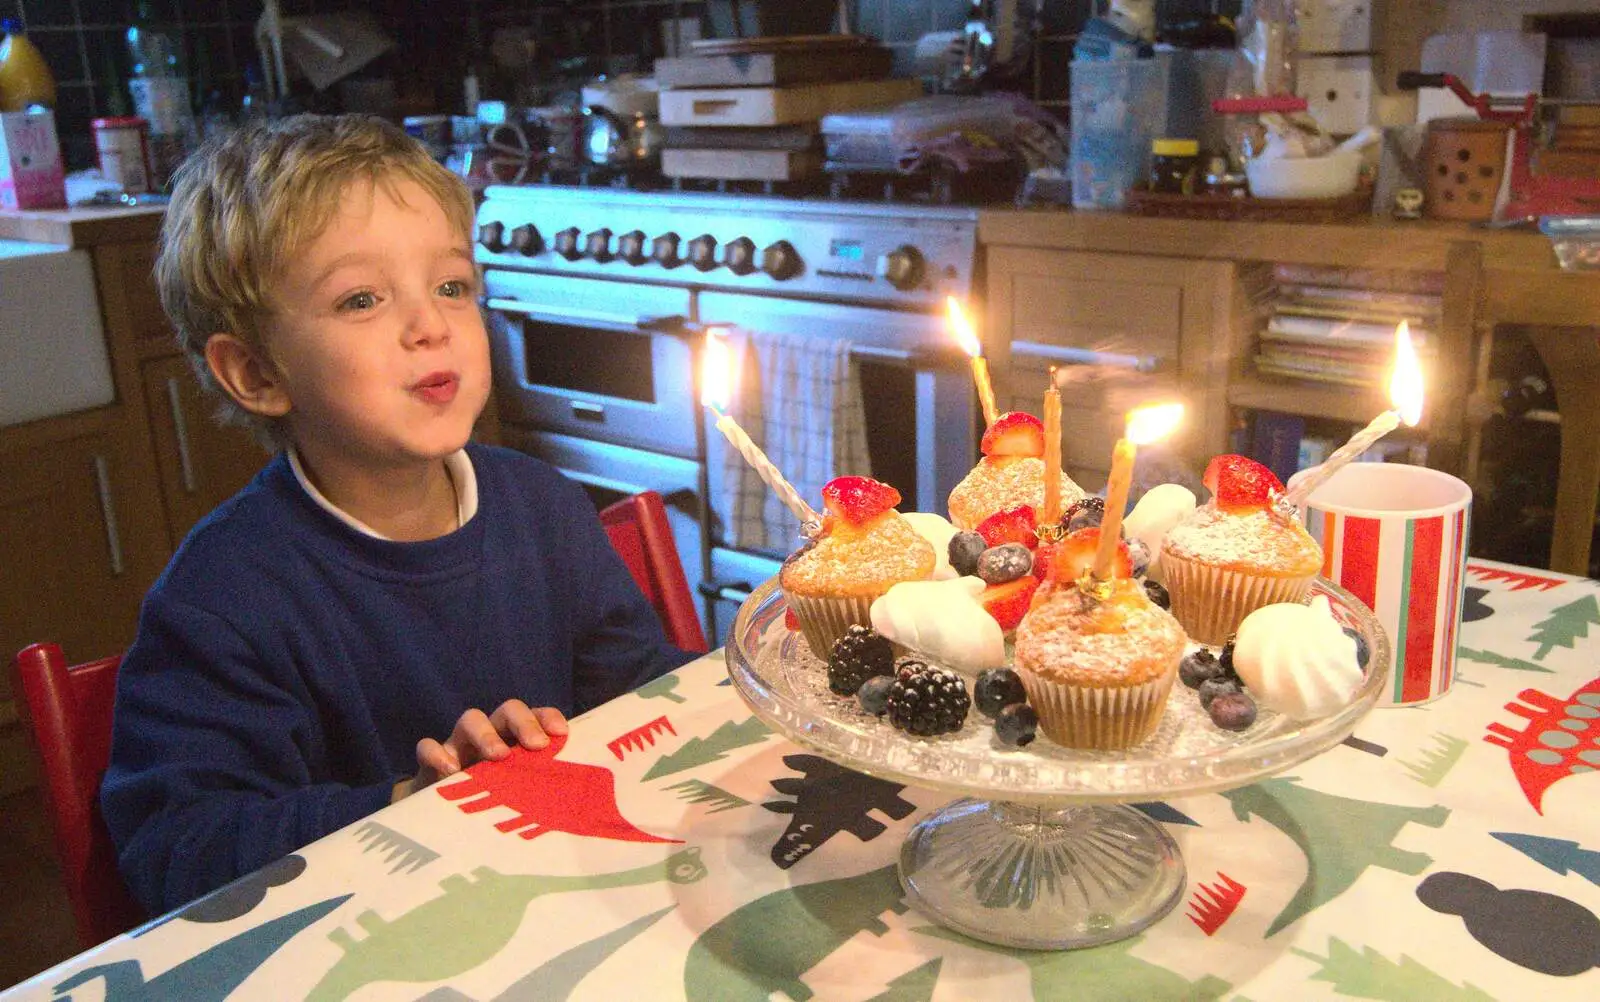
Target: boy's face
376 340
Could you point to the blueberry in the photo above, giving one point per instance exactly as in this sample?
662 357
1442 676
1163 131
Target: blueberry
1158 593
996 689
1199 666
874 694
965 548
1363 652
1226 659
1016 725
1233 711
1212 688
1006 562
1139 555
1085 512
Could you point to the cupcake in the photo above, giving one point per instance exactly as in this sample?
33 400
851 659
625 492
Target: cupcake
1011 473
1236 553
864 548
1097 666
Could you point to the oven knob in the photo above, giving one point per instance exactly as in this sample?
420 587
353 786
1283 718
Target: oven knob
903 267
598 244
525 240
492 236
703 252
665 250
566 244
630 247
780 261
740 255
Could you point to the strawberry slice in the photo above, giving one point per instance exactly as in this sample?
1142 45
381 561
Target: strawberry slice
1011 525
858 500
1014 433
1009 602
1240 483
1043 558
1074 556
791 622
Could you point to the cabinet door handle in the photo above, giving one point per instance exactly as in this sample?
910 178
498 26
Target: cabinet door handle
1086 356
108 512
181 428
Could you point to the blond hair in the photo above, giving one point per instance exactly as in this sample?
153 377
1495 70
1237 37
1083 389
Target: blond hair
248 202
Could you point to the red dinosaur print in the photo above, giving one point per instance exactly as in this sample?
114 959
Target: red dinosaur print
640 737
1214 904
549 795
1560 740
1518 580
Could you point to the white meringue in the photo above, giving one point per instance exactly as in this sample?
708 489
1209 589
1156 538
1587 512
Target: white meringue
943 620
937 530
1296 660
1162 507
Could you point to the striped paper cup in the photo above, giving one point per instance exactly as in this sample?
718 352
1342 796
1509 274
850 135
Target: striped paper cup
1396 537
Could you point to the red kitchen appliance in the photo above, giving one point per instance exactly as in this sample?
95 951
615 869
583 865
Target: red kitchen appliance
1532 192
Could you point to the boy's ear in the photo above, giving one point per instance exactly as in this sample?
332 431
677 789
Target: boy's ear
250 379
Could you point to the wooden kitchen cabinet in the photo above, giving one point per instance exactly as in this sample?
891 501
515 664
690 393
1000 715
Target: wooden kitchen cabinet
1125 330
201 463
84 538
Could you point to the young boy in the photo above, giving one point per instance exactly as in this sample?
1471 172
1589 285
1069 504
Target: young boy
385 603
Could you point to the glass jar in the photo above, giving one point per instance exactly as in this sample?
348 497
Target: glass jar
1174 166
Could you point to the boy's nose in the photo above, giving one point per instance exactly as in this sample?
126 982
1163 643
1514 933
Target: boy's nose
428 325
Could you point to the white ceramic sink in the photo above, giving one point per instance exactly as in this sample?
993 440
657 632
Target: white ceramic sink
52 346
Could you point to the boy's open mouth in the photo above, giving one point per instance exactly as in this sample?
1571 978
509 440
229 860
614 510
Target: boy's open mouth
437 387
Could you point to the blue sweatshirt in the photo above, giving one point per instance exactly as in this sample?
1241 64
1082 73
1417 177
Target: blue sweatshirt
286 665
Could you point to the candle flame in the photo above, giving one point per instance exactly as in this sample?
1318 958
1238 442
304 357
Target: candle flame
716 371
1153 423
965 335
1405 385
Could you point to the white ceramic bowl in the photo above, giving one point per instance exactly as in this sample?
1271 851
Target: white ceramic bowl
1310 177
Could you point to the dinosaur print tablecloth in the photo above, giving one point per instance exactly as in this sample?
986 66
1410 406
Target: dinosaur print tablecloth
674 848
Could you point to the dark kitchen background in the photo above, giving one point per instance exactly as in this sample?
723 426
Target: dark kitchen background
437 44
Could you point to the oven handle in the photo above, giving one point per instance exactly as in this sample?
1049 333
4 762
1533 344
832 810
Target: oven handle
726 591
1087 356
563 313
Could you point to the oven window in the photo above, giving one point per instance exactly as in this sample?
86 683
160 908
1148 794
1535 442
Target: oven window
607 363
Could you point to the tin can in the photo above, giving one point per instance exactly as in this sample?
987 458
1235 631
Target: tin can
124 151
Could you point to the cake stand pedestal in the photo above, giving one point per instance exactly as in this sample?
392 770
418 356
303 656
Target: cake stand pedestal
1040 850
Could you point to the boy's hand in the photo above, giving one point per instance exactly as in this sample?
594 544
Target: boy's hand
478 736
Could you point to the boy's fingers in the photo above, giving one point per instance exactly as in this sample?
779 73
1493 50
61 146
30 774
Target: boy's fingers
431 755
551 720
474 732
515 720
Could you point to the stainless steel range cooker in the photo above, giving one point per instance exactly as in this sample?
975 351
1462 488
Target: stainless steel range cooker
596 298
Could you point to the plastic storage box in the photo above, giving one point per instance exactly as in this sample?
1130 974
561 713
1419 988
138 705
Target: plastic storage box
876 139
1576 240
1118 107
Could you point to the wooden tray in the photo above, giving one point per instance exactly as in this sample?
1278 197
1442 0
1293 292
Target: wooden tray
724 106
1143 202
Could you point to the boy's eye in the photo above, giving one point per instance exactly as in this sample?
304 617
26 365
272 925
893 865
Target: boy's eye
456 288
359 301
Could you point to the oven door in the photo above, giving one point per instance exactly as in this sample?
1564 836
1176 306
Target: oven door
571 356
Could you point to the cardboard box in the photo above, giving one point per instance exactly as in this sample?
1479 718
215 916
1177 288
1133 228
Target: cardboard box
31 172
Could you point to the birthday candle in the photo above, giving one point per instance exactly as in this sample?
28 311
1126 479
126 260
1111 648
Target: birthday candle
1144 425
968 339
1052 453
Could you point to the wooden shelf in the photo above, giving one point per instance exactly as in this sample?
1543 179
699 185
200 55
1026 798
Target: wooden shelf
1309 399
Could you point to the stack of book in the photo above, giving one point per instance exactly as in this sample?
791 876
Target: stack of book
1335 325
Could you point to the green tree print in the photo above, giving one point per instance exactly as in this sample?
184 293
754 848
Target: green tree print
1566 625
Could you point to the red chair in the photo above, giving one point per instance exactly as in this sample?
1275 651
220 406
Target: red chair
641 534
68 714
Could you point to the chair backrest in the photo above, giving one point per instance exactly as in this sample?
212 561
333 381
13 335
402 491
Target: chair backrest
641 534
68 715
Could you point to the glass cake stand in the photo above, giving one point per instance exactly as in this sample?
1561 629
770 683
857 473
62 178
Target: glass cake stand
1040 850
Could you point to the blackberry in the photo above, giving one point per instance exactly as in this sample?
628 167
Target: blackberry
926 701
1085 512
1158 593
857 656
996 689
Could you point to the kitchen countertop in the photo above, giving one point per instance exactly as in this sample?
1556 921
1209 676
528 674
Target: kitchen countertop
85 227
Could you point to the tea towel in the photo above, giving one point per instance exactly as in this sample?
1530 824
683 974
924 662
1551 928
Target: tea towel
799 399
